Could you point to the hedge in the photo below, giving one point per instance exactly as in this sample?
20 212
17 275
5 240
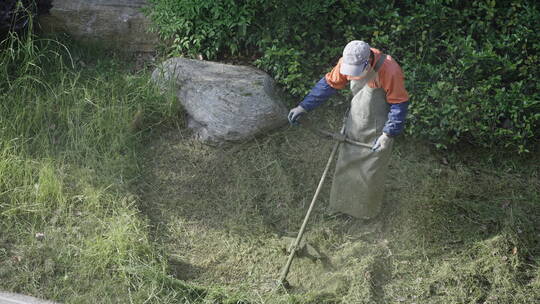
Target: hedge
471 67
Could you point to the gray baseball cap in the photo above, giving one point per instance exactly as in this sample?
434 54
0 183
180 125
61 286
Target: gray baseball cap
355 58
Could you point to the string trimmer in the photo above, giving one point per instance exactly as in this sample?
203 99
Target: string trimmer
340 138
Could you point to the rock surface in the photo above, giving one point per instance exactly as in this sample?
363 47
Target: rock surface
13 298
115 23
224 102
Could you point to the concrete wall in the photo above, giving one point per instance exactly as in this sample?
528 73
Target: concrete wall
115 23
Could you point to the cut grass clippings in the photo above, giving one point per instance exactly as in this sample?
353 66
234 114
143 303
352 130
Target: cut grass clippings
456 227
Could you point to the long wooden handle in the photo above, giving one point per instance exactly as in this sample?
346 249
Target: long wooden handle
294 248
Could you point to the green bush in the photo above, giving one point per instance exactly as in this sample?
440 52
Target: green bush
471 66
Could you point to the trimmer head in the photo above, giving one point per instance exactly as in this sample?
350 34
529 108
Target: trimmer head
282 285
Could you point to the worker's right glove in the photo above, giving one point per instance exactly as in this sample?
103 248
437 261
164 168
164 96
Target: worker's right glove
295 113
382 142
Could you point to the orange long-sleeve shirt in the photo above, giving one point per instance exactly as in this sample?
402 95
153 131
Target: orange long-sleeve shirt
390 78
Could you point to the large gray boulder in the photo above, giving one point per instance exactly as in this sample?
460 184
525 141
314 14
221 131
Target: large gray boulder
224 102
13 298
115 23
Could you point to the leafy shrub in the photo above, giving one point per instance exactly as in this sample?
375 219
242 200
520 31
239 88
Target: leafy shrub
202 27
471 66
473 74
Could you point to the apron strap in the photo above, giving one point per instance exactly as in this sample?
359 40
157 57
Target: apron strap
380 62
373 73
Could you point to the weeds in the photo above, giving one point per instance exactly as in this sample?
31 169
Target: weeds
69 152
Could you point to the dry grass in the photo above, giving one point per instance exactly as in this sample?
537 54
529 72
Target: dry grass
457 233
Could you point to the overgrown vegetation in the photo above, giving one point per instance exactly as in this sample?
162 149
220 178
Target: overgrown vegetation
105 197
471 66
71 126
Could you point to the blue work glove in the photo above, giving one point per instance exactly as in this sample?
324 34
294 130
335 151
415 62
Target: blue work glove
382 142
295 113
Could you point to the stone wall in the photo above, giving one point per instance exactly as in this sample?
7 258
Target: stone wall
115 23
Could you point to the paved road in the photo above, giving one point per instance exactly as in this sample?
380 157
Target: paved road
13 298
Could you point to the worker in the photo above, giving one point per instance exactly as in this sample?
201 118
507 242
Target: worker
377 115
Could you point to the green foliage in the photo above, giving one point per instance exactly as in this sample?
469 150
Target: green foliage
203 27
478 81
68 151
471 66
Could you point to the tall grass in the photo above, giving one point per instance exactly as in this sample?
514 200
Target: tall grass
71 126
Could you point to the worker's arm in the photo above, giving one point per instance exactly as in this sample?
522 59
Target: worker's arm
393 82
318 95
326 87
396 118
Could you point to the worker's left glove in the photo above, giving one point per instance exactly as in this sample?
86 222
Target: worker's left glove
295 113
382 142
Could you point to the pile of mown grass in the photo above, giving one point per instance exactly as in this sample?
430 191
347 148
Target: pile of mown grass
458 227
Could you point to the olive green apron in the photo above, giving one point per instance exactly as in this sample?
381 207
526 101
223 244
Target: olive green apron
358 184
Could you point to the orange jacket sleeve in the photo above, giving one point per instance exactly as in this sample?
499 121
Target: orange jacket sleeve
335 79
392 80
